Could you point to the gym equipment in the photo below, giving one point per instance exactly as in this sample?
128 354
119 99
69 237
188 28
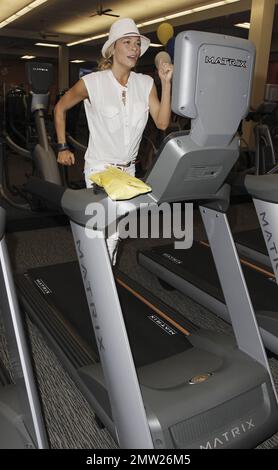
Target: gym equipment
194 273
250 243
40 77
42 156
155 388
15 115
21 420
178 270
265 155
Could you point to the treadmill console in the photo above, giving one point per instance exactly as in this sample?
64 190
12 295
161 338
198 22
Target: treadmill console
212 84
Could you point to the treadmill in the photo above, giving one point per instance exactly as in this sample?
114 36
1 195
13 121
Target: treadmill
250 243
155 380
193 272
21 419
184 270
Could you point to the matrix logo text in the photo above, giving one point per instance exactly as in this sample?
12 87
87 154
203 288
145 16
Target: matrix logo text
226 61
228 436
270 241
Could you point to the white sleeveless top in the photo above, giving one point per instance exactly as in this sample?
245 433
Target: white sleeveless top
115 128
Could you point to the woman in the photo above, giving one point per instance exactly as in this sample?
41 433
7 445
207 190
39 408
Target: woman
117 103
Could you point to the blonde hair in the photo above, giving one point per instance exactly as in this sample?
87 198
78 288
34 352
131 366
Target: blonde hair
106 62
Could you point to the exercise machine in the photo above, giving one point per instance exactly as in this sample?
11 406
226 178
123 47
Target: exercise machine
193 272
250 243
21 419
184 270
41 156
40 77
157 381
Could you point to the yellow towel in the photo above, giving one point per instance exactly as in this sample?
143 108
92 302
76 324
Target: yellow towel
119 185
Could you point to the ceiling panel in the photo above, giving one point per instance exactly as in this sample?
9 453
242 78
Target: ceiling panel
63 21
72 17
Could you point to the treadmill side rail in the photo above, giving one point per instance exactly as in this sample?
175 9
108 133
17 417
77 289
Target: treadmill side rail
267 213
19 351
234 287
116 358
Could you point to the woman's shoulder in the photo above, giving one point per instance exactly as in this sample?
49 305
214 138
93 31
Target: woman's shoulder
96 75
142 77
95 79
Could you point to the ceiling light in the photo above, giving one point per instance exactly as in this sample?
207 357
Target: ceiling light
245 25
161 19
99 36
207 7
147 23
45 44
77 61
176 15
153 44
22 12
28 57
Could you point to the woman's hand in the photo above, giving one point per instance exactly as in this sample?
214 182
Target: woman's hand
165 71
66 158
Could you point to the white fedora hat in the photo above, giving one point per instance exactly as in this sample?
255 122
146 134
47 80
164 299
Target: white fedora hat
124 27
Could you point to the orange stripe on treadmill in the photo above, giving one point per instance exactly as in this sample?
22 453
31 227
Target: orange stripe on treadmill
155 309
247 263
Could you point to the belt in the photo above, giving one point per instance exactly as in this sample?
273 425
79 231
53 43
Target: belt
123 165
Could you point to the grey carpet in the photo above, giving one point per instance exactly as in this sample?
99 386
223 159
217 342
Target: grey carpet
69 418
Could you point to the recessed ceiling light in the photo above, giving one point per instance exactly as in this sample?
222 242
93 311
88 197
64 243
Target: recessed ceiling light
22 12
28 57
245 25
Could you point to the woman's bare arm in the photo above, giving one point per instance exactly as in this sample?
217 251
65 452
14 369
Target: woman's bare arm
71 98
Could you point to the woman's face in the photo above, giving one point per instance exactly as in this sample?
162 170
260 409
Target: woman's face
127 51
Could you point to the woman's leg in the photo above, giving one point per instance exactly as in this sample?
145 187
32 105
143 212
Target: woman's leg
112 241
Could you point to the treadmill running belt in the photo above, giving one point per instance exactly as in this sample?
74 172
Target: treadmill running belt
197 267
153 337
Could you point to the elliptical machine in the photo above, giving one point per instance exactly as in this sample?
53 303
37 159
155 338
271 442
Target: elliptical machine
42 156
40 77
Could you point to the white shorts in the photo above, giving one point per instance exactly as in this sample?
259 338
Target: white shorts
112 241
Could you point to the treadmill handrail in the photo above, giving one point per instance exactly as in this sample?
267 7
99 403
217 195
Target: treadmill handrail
263 187
18 346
